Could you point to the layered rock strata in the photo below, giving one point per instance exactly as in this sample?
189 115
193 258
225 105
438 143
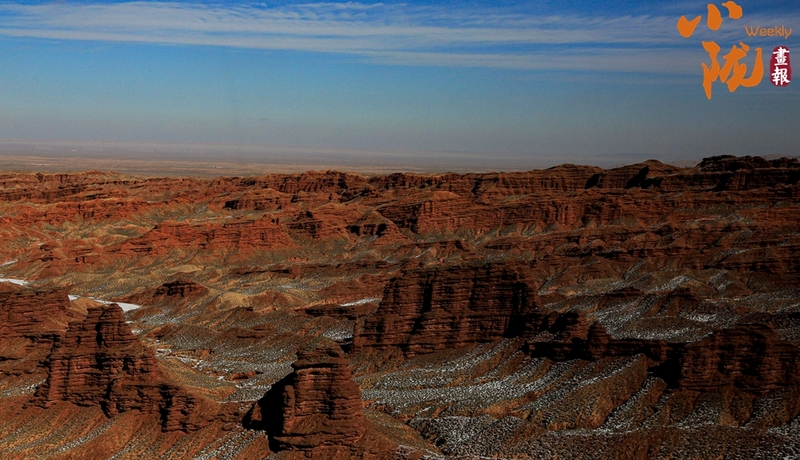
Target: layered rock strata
317 410
318 404
26 312
750 357
424 311
30 322
666 302
99 362
428 310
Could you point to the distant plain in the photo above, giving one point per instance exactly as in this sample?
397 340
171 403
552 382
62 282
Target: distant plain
151 159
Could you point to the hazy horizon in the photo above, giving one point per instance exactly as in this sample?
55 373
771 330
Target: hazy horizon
239 159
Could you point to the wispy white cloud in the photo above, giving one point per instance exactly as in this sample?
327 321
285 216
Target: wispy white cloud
397 34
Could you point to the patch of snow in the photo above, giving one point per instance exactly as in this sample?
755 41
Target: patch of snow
127 306
73 297
8 263
360 302
123 305
13 281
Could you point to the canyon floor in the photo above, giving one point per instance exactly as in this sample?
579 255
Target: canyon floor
648 311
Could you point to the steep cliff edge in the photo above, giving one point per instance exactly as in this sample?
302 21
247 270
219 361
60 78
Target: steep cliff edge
31 321
427 310
99 362
424 311
316 411
750 357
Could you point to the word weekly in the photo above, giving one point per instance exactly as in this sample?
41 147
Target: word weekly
755 31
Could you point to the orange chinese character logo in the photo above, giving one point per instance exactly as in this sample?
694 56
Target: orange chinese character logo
732 72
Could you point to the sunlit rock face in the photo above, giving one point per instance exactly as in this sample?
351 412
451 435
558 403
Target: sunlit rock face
31 321
99 362
317 410
427 310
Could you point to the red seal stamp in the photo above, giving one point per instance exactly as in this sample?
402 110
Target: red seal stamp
780 66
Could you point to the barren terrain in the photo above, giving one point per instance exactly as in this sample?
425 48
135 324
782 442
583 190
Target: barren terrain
642 312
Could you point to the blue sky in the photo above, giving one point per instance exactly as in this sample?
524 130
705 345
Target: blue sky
530 84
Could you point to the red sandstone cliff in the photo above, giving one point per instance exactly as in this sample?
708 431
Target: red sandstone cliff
427 310
316 410
423 311
30 322
27 312
99 362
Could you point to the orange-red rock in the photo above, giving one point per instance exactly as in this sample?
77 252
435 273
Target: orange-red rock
99 362
317 409
30 322
427 310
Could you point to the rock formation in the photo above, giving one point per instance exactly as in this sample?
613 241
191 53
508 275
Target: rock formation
27 312
99 362
30 322
428 310
180 289
750 357
423 311
246 233
317 409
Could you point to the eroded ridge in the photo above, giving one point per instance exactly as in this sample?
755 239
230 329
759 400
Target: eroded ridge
99 362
